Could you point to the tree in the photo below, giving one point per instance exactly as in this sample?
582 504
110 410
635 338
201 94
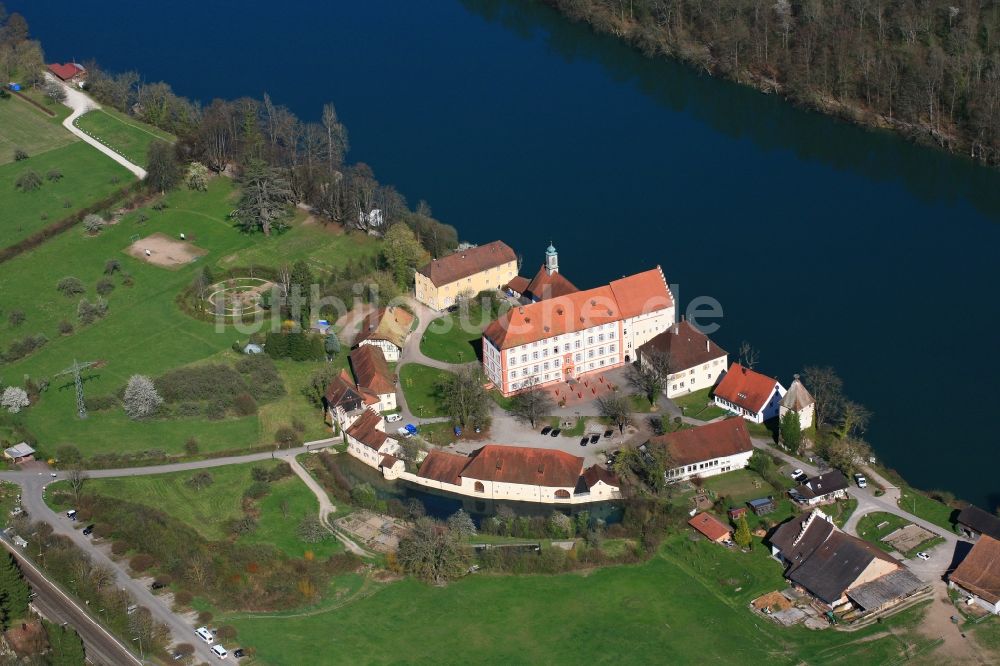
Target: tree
854 419
300 300
197 177
28 181
791 431
331 345
65 645
70 286
646 381
402 253
560 525
14 399
310 530
264 201
827 390
742 536
846 454
532 404
163 173
55 91
14 591
433 553
749 356
16 318
461 523
76 478
141 398
464 397
617 409
93 224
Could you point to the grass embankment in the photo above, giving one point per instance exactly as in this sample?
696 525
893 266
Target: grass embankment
127 136
698 405
211 509
924 507
419 384
456 337
687 605
87 176
144 331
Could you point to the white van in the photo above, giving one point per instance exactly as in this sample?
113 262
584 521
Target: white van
204 634
392 418
220 651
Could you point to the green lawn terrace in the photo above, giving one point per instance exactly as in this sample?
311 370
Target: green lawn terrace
687 605
456 337
87 176
127 136
145 331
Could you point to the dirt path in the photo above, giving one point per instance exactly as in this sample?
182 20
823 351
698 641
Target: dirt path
326 507
937 624
81 104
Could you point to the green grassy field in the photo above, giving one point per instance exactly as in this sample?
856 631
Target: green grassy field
25 127
696 405
209 510
924 507
686 606
418 382
322 247
869 530
144 332
742 485
87 176
455 338
126 136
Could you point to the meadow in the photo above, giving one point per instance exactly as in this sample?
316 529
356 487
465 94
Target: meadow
419 384
126 136
22 126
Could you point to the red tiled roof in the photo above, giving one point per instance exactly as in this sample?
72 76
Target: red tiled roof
746 388
710 526
596 473
642 293
523 465
685 345
547 285
391 324
341 389
715 440
465 263
67 70
366 431
565 314
388 461
443 466
371 370
979 572
518 284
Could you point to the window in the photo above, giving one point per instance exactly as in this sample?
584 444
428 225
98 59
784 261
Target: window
590 354
524 372
590 340
611 349
535 370
534 356
562 493
513 374
600 350
555 350
600 338
556 363
480 488
524 358
545 366
578 357
576 345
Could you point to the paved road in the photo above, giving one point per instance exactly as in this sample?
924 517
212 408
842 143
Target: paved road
58 607
81 103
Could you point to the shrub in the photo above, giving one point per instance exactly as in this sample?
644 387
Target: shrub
68 454
257 490
310 530
200 480
204 617
54 175
65 327
29 181
119 548
100 403
20 155
141 562
16 318
216 410
105 286
112 266
103 530
191 446
70 286
287 438
183 649
244 525
93 224
183 597
164 579
245 405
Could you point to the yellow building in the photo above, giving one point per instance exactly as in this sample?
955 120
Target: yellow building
440 283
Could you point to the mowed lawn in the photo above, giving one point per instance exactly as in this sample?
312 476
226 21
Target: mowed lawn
126 136
28 128
661 612
455 337
419 384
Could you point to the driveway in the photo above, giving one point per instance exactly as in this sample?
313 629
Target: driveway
81 103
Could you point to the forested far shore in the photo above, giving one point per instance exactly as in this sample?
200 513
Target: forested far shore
928 69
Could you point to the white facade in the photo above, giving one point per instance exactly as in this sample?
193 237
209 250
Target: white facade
389 350
386 402
600 492
769 411
704 375
976 599
823 499
711 467
639 330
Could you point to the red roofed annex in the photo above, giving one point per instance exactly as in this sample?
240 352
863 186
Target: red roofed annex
753 396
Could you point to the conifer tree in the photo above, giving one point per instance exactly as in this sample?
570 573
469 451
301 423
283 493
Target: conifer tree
14 591
742 537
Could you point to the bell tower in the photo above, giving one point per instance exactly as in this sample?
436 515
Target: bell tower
551 260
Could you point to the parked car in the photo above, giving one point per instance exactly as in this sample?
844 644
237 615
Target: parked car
157 585
88 530
204 634
239 653
555 432
595 438
608 433
71 514
546 430
219 651
410 428
583 442
392 418
403 432
796 473
924 556
861 480
458 431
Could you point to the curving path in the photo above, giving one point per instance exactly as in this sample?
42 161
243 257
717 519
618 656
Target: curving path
326 507
81 103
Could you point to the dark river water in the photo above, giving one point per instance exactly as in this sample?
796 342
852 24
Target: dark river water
824 243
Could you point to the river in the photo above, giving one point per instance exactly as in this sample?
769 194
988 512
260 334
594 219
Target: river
825 243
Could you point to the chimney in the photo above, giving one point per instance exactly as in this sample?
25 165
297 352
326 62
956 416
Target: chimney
708 345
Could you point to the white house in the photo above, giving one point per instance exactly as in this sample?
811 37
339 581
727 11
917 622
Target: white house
827 487
345 402
566 337
515 473
707 450
387 329
694 361
978 576
749 394
368 442
372 374
800 401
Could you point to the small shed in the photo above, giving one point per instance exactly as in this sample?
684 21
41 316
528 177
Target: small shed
19 453
737 512
763 505
711 527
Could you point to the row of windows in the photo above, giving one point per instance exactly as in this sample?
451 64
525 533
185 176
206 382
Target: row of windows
607 331
536 355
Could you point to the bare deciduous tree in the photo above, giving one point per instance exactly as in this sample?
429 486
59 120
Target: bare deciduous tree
532 404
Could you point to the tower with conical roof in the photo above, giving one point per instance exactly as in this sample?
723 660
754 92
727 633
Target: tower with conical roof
551 259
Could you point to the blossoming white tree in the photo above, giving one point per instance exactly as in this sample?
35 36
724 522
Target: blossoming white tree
141 398
14 399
